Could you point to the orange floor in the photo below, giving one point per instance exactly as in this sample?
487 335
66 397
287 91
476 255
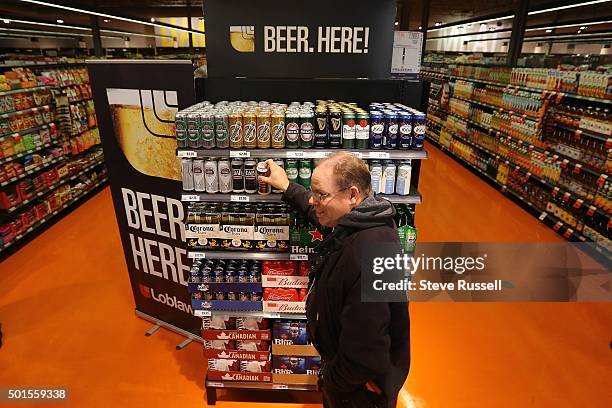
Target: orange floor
68 317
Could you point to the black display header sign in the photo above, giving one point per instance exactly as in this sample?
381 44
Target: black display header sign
299 39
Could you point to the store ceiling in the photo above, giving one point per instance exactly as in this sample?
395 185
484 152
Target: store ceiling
444 11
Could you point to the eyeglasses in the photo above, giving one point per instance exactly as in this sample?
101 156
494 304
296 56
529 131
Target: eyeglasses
320 197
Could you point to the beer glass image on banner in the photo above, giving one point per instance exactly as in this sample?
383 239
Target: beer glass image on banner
144 126
242 38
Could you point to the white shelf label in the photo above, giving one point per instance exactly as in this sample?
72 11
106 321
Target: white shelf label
201 313
274 315
298 257
190 197
239 153
358 154
215 384
240 198
280 386
379 155
187 153
542 216
296 154
196 255
320 155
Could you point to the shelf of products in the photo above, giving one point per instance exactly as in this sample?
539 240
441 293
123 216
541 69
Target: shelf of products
22 154
41 222
29 171
314 153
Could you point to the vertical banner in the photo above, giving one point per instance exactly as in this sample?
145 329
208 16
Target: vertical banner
135 103
300 38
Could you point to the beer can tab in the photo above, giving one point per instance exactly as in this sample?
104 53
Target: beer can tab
190 197
578 203
557 226
577 168
568 233
240 198
296 154
591 211
187 153
280 386
298 257
240 153
543 216
379 155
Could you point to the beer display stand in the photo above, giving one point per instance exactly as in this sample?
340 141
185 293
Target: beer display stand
362 91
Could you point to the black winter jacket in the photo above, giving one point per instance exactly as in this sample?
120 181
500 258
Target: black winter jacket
358 341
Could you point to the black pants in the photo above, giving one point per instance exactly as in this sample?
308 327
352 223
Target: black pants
361 398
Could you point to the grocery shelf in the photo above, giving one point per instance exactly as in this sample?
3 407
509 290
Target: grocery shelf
238 313
51 215
26 131
583 132
19 112
35 65
32 170
19 155
69 85
313 153
496 107
22 90
80 133
53 187
260 385
190 196
253 255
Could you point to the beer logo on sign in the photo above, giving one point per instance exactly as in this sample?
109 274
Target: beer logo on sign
242 38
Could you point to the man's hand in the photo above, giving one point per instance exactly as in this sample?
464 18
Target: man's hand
278 178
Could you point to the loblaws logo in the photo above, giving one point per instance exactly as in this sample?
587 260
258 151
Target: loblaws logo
166 299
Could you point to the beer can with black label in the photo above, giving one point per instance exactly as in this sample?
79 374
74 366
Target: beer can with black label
237 175
199 182
187 172
320 134
225 176
211 175
335 129
263 171
281 164
250 176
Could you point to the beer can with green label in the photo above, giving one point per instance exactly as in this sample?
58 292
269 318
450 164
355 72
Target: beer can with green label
291 168
305 172
348 130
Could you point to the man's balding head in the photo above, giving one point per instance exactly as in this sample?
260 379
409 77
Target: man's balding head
349 170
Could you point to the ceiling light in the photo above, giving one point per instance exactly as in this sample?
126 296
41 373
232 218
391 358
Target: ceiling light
438 23
152 19
397 23
483 25
60 21
106 20
570 25
6 21
583 27
579 31
420 27
95 13
588 3
549 31
470 24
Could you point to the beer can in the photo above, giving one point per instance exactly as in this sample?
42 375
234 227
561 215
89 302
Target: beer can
377 129
292 129
210 296
348 130
244 296
249 130
376 170
263 130
180 126
211 175
255 296
231 296
292 170
362 130
277 122
320 132
250 176
263 171
281 164
236 139
237 175
404 173
418 131
305 172
207 129
225 176
391 130
306 129
405 130
193 130
187 172
221 130
198 175
335 129
218 276
220 296
243 276
254 275
387 183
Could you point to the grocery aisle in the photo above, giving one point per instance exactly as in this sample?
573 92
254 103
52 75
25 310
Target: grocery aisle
67 313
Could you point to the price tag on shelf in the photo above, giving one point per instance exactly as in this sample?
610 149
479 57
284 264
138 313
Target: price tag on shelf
543 216
296 154
202 313
240 198
602 179
566 197
557 226
280 386
517 168
190 197
320 155
564 163
273 315
298 257
527 176
196 255
577 134
240 153
186 153
358 154
578 203
568 233
577 168
609 143
215 384
555 191
503 189
591 211
379 155
18 237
